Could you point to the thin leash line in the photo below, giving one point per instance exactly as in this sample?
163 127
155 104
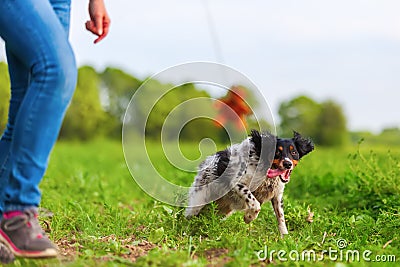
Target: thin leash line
216 44
213 33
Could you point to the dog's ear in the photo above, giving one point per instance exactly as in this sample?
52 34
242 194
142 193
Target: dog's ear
256 139
264 144
303 145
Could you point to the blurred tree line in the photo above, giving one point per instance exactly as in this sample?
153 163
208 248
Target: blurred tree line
101 99
325 122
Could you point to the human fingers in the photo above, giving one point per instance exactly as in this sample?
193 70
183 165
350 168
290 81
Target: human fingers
105 30
99 22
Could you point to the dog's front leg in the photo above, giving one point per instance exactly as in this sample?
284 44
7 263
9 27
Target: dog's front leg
198 198
193 209
253 207
277 204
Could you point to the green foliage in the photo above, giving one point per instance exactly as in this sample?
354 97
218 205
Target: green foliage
332 122
299 114
377 185
167 111
119 89
389 137
4 95
100 102
85 117
325 122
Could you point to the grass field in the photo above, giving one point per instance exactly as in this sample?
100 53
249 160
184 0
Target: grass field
96 213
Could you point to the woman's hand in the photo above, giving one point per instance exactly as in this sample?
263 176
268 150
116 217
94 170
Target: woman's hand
99 23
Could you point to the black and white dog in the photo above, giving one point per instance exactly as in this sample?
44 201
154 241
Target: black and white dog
245 175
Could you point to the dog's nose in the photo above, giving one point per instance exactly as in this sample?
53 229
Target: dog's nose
287 164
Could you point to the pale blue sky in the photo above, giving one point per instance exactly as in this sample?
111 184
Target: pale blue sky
344 49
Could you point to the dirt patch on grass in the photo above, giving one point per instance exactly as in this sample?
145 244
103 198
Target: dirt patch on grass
137 250
70 248
131 249
217 256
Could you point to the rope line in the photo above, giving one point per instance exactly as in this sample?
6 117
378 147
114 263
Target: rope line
213 33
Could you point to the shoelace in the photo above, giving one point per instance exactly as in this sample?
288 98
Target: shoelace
28 218
16 222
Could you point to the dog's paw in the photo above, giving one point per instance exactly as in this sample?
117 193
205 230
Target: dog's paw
252 212
250 215
256 207
190 212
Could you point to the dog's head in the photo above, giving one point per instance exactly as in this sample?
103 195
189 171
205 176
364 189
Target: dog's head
288 152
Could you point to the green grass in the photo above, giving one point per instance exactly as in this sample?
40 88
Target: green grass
99 216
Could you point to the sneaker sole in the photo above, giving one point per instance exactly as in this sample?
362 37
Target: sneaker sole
47 253
6 256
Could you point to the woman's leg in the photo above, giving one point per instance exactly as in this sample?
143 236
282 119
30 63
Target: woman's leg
43 77
19 77
36 37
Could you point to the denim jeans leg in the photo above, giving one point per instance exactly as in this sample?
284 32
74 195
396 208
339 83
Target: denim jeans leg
35 35
62 8
19 78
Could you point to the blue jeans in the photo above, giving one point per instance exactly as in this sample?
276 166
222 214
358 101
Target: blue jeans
43 77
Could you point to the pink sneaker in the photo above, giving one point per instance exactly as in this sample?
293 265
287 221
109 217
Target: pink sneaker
22 234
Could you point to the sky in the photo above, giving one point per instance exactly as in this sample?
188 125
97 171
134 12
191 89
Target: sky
345 50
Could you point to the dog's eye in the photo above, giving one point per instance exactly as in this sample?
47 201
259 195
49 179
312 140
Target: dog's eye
294 153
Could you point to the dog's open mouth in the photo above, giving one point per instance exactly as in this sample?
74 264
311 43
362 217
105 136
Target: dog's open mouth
284 175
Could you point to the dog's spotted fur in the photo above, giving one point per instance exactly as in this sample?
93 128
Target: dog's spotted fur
245 175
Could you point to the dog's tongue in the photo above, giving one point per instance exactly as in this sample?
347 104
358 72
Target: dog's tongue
271 173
